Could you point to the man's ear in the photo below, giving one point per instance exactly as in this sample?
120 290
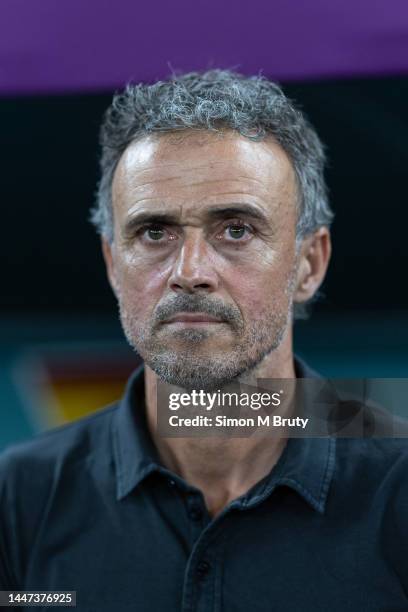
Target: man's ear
313 259
108 255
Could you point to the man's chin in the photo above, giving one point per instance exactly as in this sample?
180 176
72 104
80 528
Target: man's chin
196 344
190 372
190 336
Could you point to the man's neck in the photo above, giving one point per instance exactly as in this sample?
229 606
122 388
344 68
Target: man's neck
222 468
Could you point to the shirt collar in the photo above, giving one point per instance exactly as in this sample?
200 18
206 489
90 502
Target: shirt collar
306 465
134 452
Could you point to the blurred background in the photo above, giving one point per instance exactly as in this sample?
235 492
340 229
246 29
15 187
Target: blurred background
62 353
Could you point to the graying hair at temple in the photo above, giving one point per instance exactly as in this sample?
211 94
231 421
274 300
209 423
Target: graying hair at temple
215 100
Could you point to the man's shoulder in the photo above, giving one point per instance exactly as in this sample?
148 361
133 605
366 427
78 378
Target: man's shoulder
374 464
36 473
49 451
371 474
381 451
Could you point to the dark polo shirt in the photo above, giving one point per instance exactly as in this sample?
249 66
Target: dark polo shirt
89 507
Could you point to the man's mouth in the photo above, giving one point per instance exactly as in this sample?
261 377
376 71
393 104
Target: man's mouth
192 319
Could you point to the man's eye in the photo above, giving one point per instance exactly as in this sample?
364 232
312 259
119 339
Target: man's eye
154 233
235 231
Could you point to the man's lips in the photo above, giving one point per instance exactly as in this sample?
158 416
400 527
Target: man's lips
192 318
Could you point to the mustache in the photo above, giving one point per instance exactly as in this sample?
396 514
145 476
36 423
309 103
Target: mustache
197 303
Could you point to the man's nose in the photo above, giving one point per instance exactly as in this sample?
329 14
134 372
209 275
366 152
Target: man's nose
194 268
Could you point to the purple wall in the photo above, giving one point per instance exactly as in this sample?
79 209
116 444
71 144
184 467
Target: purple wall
78 45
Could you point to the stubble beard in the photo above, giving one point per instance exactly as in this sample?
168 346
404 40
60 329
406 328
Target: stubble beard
193 367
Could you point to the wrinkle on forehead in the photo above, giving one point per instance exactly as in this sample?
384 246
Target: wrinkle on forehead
202 165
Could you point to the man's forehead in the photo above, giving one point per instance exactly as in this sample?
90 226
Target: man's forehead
203 165
165 153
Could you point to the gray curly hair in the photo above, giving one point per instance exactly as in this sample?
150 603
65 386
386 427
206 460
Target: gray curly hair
215 100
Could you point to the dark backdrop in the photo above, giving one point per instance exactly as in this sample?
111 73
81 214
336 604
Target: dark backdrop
48 156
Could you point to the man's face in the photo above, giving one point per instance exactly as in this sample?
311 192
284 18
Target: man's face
203 260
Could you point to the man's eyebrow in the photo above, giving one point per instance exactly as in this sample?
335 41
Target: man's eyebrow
236 210
216 212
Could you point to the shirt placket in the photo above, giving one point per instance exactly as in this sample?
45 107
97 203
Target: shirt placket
201 578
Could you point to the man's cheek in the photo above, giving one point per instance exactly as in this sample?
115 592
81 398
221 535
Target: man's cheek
253 302
145 281
136 304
